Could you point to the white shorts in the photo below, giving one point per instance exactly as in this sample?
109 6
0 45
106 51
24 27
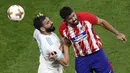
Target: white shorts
41 69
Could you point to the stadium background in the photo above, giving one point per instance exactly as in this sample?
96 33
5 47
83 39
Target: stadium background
19 52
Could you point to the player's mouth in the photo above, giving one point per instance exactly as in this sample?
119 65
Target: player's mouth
76 22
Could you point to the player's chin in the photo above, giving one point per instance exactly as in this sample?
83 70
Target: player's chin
76 23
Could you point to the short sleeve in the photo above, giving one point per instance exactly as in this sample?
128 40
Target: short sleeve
61 32
89 17
36 33
61 29
36 36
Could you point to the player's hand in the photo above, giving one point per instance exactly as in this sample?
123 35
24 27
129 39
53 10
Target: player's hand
121 37
53 55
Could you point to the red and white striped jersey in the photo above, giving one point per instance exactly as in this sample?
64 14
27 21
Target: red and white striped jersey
82 37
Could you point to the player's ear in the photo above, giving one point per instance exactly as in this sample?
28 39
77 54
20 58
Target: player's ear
42 29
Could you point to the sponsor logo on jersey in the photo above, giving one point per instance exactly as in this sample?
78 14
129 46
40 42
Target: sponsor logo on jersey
49 40
79 37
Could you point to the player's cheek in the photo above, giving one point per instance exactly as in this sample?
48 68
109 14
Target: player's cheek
72 21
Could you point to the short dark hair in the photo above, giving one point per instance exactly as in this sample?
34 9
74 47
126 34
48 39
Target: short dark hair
65 12
38 21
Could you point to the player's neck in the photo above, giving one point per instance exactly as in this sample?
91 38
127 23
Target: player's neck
46 33
72 25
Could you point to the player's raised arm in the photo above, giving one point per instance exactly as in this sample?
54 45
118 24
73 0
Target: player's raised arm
66 42
109 27
63 57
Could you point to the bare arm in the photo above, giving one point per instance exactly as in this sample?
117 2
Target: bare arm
64 57
65 60
109 27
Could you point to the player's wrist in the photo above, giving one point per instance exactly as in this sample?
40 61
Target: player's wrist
60 57
117 33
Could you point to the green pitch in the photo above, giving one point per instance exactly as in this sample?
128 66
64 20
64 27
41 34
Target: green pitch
19 52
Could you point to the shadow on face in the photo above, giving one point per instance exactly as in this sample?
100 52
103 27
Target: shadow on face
48 25
72 19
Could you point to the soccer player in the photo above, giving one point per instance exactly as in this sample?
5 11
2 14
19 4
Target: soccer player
51 49
78 29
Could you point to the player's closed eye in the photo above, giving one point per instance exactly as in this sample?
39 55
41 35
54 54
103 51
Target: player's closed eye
73 15
69 18
48 22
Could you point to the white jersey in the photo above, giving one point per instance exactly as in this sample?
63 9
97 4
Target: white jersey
47 44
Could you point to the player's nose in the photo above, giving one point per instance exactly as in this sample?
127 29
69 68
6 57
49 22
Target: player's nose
73 18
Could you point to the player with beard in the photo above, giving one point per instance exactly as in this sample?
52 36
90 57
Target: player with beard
53 54
78 28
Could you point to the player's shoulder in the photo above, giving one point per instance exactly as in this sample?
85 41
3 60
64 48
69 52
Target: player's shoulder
63 25
36 33
54 34
83 13
87 16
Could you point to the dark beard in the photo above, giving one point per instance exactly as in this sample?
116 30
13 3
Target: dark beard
73 25
51 29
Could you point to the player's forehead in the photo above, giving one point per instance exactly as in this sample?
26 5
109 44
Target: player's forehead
46 20
71 15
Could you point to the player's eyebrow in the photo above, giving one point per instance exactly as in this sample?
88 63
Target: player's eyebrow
70 16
